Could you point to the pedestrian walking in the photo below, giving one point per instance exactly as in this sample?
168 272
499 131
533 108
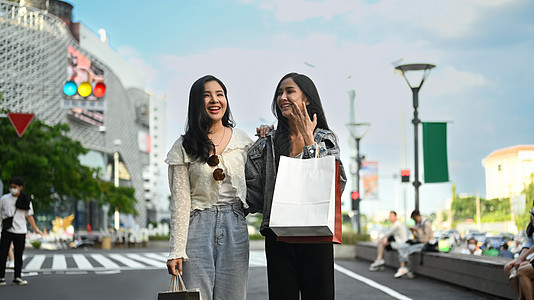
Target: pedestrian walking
302 131
15 208
209 235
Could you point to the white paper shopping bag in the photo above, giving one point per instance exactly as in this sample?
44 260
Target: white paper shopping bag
304 197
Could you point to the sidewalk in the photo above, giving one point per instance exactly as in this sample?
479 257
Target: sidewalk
340 251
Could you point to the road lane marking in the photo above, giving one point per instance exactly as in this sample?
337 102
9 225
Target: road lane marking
59 262
125 260
35 263
82 262
146 260
160 257
371 283
105 262
257 259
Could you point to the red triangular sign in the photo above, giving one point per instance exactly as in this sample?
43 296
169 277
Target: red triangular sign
20 122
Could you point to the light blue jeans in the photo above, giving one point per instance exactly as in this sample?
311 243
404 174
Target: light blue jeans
218 250
406 249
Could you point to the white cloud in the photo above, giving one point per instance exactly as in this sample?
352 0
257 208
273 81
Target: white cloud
450 81
383 98
447 19
134 57
127 52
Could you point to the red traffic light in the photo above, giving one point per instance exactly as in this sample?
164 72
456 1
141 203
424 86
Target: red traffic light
355 195
405 175
99 90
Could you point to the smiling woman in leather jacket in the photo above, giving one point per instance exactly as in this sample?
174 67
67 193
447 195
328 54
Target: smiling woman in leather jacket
301 131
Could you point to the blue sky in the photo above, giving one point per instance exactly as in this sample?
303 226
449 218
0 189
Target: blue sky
483 83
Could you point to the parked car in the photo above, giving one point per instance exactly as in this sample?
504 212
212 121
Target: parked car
479 236
498 240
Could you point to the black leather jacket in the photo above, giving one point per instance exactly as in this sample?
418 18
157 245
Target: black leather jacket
260 170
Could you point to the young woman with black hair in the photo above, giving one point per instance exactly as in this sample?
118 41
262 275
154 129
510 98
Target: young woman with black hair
302 131
209 237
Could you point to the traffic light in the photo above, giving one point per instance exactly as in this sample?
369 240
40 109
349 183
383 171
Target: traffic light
405 175
84 89
355 195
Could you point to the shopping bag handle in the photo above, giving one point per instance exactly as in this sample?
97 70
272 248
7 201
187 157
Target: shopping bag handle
175 284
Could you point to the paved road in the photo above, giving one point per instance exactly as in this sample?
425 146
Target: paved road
141 274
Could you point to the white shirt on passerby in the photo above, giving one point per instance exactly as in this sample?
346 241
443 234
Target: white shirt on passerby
399 232
8 209
478 251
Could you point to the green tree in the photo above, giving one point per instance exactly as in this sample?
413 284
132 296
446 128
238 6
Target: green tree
491 210
522 220
48 160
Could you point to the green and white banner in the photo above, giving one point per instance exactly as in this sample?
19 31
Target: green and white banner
435 152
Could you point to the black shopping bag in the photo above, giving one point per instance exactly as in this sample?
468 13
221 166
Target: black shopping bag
7 223
175 293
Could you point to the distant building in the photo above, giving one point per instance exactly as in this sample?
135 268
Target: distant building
158 206
41 50
508 170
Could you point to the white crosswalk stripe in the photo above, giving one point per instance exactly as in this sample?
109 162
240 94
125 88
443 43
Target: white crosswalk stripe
128 262
35 263
157 256
257 259
147 260
108 262
105 262
59 262
82 262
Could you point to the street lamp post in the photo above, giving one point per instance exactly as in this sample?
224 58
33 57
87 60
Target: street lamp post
425 70
117 144
357 131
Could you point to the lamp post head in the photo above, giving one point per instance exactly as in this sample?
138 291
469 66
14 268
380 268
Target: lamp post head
358 130
415 69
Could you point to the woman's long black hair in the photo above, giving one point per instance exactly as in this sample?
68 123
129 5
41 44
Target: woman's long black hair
308 88
195 140
530 228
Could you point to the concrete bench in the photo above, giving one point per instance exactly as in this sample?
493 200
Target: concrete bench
481 273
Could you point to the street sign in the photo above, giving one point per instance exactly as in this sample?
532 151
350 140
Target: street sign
20 121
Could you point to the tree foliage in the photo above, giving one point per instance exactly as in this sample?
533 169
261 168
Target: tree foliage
523 219
48 160
491 210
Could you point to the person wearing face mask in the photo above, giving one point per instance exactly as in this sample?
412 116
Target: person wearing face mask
18 207
472 248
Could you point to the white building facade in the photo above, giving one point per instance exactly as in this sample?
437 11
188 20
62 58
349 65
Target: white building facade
508 170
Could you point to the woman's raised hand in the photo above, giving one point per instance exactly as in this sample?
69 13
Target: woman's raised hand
305 125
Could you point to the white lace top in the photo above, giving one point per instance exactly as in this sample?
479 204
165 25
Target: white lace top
193 187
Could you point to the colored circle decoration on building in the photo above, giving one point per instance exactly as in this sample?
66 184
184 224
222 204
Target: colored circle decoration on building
84 89
70 88
99 90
